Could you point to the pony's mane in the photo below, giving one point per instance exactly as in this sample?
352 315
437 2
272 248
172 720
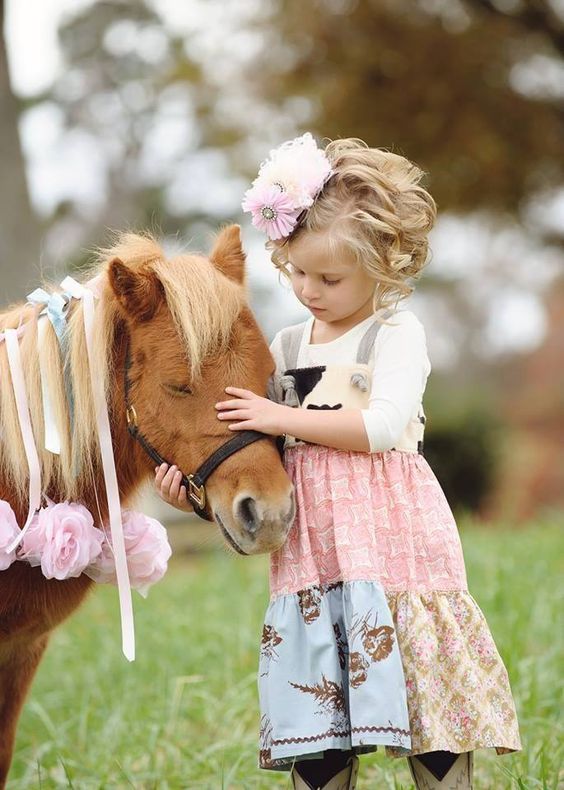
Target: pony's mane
203 304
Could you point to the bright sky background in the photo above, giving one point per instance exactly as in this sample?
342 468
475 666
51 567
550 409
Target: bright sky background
460 247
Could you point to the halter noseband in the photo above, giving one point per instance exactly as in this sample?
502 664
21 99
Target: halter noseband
195 483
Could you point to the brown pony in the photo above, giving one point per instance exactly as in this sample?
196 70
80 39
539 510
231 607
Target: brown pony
190 334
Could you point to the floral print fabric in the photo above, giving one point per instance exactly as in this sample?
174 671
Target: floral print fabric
458 691
330 674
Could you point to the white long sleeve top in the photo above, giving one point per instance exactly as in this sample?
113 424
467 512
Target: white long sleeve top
399 366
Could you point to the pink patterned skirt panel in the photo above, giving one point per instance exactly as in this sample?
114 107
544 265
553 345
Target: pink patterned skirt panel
367 516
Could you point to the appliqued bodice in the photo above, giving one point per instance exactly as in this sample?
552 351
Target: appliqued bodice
335 386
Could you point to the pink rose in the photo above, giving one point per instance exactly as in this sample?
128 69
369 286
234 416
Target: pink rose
9 531
62 539
147 550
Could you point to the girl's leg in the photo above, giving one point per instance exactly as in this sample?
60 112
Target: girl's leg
336 770
442 770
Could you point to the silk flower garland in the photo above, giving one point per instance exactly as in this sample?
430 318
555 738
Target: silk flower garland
62 539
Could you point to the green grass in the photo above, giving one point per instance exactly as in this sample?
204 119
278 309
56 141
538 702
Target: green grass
185 714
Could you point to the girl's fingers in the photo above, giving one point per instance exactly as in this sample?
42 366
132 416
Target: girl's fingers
230 404
241 426
160 472
167 481
238 414
175 486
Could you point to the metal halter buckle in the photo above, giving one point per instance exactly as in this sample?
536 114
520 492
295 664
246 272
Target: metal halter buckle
196 493
131 417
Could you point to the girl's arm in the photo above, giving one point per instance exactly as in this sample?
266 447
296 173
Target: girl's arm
343 429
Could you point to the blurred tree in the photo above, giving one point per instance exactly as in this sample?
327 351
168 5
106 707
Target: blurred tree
462 450
448 83
531 475
132 100
112 97
20 228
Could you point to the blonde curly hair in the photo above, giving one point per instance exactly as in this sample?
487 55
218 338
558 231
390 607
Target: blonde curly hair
374 206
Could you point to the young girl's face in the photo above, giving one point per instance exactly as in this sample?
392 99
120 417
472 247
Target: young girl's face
334 287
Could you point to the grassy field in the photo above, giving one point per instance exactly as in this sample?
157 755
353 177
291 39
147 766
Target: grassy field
184 715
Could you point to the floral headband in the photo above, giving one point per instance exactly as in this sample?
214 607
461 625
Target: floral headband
287 184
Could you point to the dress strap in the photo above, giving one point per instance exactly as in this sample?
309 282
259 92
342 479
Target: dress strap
367 340
291 339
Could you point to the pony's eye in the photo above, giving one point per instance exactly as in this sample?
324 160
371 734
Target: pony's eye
179 390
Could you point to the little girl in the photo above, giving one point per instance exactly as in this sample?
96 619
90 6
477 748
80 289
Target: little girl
371 636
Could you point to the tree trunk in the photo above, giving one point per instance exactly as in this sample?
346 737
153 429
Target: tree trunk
19 227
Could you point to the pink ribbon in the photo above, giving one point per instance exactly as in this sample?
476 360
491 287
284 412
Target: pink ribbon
22 407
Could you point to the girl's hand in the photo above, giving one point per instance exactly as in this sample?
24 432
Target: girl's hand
168 485
252 412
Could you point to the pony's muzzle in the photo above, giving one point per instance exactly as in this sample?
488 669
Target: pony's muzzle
259 527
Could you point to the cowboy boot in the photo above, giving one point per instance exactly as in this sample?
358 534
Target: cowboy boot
458 776
344 780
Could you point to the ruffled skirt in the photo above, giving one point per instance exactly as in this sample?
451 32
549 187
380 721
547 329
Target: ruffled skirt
371 636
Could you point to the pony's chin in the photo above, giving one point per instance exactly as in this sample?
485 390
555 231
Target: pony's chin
255 543
229 539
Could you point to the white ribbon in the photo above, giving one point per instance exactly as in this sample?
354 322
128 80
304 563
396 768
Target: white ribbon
51 429
109 468
22 407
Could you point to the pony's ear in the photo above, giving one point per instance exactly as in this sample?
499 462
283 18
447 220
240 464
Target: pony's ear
227 254
140 293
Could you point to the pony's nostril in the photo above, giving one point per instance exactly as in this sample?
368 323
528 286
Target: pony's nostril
248 514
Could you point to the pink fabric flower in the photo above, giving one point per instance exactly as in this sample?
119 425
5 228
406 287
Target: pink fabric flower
9 531
62 539
300 167
147 550
272 210
287 183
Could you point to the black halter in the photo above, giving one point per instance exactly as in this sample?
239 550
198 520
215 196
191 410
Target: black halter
195 483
